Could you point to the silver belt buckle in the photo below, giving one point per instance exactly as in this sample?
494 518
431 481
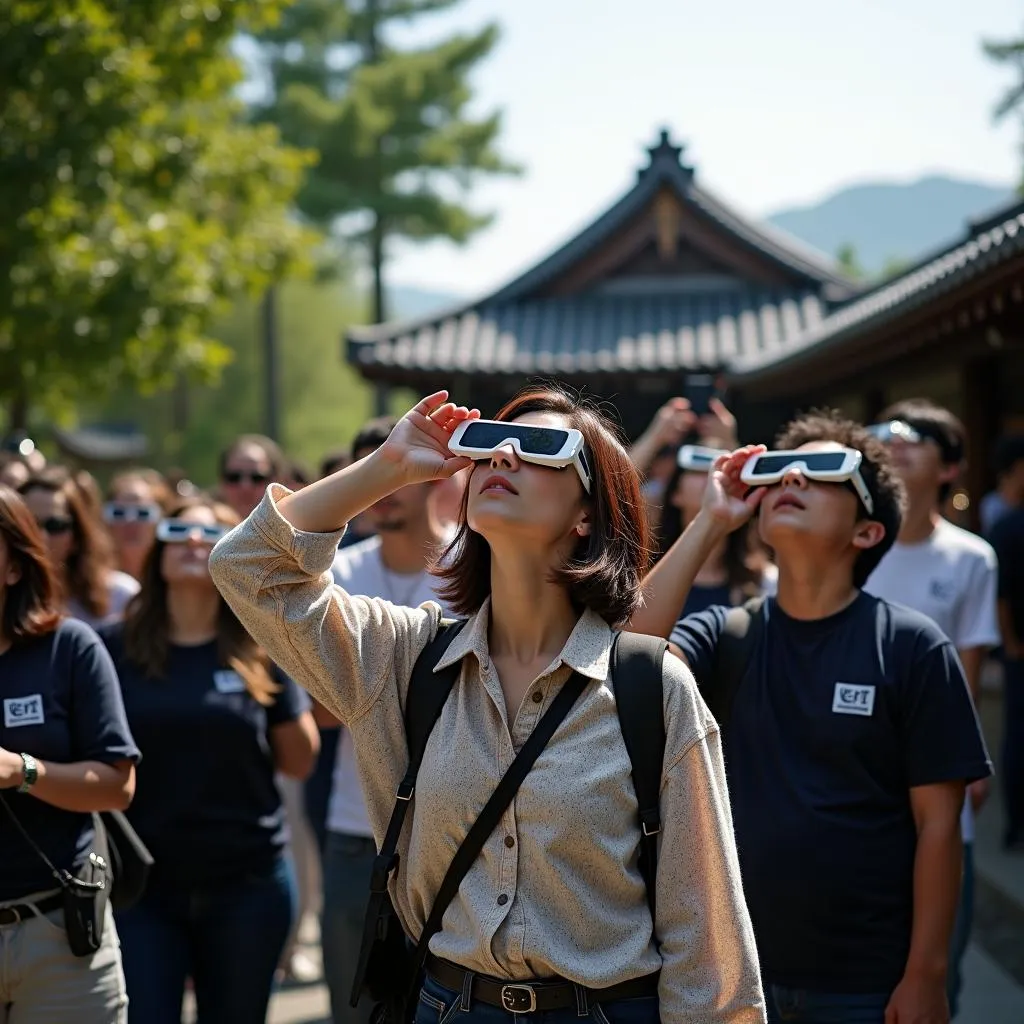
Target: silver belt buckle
519 998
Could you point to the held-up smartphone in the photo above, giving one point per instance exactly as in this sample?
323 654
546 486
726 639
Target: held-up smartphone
700 388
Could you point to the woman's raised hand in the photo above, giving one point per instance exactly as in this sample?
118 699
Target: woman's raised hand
418 446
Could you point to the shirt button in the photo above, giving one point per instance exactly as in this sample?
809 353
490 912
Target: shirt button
537 696
502 900
509 842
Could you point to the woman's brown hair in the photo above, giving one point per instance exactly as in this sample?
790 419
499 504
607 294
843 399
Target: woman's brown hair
92 557
31 605
147 620
607 567
154 480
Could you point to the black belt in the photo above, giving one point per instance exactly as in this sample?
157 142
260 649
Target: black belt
25 911
535 996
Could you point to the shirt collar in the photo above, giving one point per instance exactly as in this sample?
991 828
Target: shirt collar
587 651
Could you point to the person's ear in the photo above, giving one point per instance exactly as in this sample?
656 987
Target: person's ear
867 534
949 473
583 527
13 575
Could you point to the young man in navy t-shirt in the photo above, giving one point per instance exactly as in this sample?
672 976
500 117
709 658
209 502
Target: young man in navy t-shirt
848 742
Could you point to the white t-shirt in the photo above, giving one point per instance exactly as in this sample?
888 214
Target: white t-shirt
122 589
950 577
359 570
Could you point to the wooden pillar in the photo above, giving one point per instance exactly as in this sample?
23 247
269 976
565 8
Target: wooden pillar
979 382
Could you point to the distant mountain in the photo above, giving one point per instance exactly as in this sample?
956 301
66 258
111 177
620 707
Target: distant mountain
885 222
404 303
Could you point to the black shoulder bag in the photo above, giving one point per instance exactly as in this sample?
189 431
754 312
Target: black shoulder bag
85 899
387 967
130 860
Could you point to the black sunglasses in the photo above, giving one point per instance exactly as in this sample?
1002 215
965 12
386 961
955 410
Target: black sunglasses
54 525
237 476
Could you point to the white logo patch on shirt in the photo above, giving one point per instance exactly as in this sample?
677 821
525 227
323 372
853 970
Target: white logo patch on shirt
20 711
853 699
228 681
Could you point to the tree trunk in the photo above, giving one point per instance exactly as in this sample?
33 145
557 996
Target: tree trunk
377 263
17 420
271 369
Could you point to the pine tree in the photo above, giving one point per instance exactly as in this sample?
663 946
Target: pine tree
390 124
1011 52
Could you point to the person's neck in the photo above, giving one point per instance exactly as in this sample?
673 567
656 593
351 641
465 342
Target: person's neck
192 614
919 521
410 550
531 618
131 562
814 588
1011 492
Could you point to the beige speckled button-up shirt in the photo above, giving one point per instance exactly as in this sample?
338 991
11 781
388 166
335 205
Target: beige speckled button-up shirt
556 890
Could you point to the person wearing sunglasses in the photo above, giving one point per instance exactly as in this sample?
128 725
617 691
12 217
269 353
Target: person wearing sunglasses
136 500
82 553
948 574
849 735
215 721
246 467
548 560
65 752
738 569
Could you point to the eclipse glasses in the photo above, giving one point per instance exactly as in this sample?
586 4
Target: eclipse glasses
121 512
543 446
180 531
696 458
832 467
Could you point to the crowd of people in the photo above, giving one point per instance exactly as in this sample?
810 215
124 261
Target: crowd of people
231 668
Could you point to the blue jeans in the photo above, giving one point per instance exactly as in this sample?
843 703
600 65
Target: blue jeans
317 788
348 862
803 1007
228 938
961 932
439 1005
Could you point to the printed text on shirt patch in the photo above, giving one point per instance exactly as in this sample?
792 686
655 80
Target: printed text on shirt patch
23 711
851 699
228 681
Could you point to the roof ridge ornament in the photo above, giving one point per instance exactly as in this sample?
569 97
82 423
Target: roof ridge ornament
666 152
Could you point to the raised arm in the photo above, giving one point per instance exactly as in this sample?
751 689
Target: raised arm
274 570
726 507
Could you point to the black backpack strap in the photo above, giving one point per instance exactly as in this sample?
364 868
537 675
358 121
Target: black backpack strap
637 680
490 816
744 625
428 691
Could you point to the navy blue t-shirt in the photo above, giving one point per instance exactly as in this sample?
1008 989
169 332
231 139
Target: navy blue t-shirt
834 721
61 703
206 803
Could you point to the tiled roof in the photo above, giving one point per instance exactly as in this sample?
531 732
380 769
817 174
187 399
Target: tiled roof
987 243
591 333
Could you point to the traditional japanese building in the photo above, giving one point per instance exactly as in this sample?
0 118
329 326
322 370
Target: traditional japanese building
668 281
671 281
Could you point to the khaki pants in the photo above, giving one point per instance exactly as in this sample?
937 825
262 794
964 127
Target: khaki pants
42 983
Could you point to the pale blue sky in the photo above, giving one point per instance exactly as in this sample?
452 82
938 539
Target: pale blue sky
779 102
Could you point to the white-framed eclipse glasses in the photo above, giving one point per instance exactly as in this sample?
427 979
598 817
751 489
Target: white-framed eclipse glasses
555 447
695 458
836 466
123 512
179 531
895 430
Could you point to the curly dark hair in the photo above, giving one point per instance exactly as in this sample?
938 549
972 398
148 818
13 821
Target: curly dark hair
880 478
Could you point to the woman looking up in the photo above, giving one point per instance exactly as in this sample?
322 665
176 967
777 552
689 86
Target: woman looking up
547 561
92 589
216 722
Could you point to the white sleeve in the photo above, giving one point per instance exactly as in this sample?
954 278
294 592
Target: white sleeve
977 622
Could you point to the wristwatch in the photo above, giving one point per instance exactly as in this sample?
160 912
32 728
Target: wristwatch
30 770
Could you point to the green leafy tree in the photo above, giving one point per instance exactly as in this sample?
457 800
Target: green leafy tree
1010 52
136 196
398 148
